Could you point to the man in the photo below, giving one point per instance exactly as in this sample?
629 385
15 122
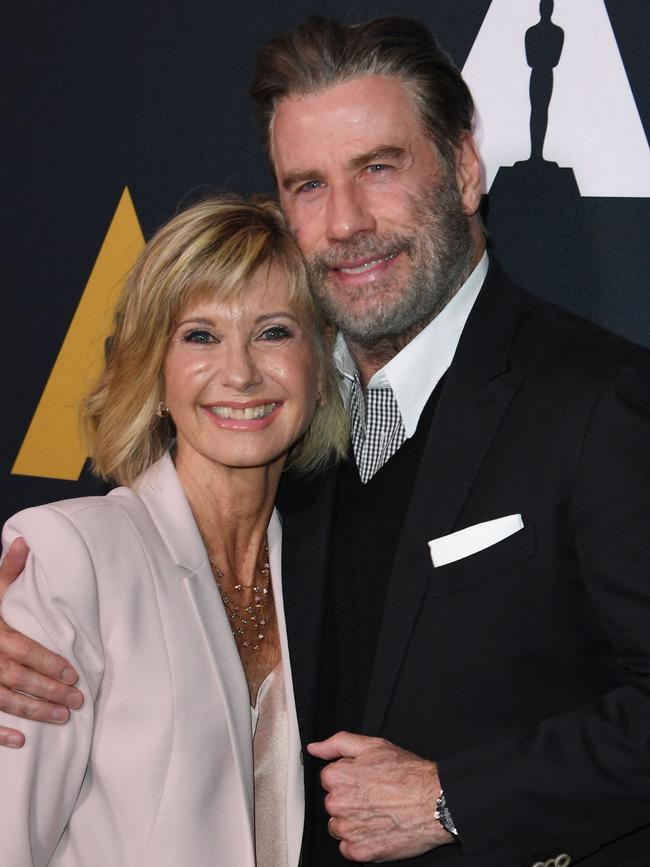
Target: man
467 597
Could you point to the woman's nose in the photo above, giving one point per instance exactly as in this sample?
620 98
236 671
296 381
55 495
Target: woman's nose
240 370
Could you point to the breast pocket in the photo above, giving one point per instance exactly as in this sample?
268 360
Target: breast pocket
484 565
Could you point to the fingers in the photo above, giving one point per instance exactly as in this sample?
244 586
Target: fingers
14 676
13 564
379 800
331 830
356 843
15 647
343 745
11 738
43 680
17 704
35 683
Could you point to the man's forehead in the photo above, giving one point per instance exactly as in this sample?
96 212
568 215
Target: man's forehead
361 91
363 114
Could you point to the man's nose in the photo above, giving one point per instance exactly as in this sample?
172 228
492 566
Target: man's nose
348 213
240 370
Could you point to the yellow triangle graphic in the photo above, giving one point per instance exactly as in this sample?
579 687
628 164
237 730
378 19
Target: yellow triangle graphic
52 447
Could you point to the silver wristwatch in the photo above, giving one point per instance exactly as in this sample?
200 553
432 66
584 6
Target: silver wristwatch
443 815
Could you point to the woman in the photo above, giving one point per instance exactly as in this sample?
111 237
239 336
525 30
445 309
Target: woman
166 594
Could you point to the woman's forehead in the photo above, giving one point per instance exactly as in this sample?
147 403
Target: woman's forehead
268 290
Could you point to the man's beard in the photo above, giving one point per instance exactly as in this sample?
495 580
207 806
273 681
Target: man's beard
439 248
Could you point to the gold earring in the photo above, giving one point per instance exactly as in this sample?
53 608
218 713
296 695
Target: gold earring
163 410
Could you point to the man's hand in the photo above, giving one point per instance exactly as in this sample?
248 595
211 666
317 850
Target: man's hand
28 667
381 798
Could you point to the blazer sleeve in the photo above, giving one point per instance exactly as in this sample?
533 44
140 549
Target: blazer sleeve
55 602
578 781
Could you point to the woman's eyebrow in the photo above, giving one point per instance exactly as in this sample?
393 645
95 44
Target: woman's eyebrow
264 317
200 320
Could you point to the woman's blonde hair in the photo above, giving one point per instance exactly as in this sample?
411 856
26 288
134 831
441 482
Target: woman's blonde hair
212 249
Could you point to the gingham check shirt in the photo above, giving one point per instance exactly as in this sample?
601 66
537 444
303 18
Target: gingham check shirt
383 419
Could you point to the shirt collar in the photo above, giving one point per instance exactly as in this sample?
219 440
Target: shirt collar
416 370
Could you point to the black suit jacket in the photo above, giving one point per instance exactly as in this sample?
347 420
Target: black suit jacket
524 669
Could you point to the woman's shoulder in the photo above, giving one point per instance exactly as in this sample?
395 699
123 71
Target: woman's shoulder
76 514
71 538
89 533
83 515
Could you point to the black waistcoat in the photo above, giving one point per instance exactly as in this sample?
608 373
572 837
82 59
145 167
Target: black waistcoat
366 529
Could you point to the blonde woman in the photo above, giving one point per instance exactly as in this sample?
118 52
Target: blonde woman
165 595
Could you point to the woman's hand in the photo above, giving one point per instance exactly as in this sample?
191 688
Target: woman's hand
34 682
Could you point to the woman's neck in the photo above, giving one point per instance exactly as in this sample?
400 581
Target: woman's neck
232 507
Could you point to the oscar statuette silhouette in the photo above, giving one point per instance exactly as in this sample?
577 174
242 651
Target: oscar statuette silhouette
533 211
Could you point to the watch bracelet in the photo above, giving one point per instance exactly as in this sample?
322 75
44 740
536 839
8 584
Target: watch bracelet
443 815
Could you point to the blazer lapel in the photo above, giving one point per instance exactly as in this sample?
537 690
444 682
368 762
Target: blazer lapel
478 389
170 511
228 674
306 512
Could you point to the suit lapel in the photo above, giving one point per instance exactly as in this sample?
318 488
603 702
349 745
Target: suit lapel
478 389
306 513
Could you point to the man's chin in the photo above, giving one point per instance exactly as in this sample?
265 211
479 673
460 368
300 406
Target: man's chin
370 312
371 325
353 313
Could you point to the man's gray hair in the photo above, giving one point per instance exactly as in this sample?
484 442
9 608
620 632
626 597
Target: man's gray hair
322 53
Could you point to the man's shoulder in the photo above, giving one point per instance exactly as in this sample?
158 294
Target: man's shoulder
556 354
564 343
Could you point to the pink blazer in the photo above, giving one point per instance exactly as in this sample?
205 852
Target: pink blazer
156 769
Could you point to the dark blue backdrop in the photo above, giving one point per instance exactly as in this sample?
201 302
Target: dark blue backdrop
154 96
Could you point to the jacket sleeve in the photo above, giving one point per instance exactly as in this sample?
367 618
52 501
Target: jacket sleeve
578 781
55 602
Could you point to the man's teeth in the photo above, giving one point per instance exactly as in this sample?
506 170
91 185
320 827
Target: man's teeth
359 269
246 414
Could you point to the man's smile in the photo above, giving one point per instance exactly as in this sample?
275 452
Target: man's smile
362 267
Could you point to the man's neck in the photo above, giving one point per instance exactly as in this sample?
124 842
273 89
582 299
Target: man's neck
371 356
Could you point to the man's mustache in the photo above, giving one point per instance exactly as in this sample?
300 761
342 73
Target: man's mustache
363 247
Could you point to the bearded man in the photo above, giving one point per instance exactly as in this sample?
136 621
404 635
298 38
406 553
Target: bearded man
467 597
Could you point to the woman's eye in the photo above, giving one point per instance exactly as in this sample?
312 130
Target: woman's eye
198 336
275 332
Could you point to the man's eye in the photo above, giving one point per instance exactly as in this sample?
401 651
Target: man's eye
275 332
309 186
377 168
198 336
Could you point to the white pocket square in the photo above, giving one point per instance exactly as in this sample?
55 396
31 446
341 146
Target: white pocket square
462 543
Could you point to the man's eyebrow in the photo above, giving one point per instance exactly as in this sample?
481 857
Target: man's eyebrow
377 155
296 178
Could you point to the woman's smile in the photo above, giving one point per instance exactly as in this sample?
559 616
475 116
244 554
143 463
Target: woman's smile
251 416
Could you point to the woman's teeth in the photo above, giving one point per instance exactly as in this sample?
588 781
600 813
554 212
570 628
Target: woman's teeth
246 414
